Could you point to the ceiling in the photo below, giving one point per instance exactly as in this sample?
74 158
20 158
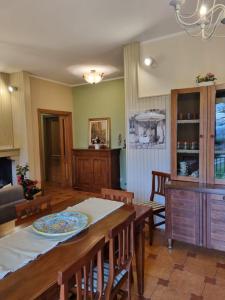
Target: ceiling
59 39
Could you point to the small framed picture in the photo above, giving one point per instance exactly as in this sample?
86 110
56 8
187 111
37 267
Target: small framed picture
99 131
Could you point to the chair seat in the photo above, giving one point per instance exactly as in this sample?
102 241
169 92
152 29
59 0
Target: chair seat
154 205
117 279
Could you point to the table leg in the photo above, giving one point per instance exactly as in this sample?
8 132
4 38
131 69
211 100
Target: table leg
170 243
139 256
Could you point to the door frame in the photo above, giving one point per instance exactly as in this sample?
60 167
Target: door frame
68 115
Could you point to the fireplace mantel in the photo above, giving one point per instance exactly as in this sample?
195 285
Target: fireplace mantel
9 152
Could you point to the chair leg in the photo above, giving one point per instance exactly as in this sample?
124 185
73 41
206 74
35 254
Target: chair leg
132 274
129 279
151 228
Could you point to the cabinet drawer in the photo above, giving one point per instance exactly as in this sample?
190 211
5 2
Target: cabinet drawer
186 204
216 197
184 195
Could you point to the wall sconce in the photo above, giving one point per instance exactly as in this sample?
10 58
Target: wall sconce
12 88
150 62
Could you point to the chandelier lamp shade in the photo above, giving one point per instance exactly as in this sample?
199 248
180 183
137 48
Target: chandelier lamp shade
93 77
203 21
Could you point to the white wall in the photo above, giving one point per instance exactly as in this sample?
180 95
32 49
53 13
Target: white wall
180 59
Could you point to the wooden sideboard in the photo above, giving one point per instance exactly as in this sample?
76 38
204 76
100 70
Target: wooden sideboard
195 213
96 169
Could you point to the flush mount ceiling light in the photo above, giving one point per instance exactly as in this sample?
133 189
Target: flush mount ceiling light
206 17
12 88
93 77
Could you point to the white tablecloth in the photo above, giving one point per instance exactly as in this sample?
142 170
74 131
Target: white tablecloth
23 246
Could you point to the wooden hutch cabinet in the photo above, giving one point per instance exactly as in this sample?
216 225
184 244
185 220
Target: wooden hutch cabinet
195 206
96 169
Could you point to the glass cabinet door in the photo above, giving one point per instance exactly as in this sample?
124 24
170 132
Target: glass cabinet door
188 134
188 120
219 140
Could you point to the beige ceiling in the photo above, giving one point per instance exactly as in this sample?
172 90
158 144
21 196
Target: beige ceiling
57 39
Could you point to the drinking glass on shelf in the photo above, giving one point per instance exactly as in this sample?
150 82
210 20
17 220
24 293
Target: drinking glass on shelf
189 116
194 145
186 145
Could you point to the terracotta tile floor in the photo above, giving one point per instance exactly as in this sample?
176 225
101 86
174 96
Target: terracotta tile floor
184 273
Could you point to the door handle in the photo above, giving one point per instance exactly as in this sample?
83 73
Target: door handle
223 197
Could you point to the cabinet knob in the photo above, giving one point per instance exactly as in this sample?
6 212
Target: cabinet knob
201 136
212 136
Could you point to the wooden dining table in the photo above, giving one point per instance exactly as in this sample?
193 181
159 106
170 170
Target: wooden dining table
38 279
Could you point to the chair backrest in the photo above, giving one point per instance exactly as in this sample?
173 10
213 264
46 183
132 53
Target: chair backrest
158 183
37 207
81 272
121 250
118 195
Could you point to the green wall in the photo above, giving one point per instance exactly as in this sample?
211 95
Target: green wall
105 99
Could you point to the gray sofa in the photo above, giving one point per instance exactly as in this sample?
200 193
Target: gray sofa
9 197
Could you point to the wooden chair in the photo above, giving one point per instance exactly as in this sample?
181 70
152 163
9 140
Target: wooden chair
121 251
29 210
85 284
118 195
159 180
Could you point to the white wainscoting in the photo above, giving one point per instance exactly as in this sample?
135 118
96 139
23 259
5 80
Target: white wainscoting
140 163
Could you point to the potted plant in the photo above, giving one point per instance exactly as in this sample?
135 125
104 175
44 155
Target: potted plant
208 79
29 186
96 141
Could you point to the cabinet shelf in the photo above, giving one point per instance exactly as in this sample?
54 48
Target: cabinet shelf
188 121
220 152
188 151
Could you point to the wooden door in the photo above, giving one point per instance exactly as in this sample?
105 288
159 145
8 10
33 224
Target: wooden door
183 216
216 221
52 149
55 140
188 134
216 135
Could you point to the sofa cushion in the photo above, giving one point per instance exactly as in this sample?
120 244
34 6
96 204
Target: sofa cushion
11 194
8 211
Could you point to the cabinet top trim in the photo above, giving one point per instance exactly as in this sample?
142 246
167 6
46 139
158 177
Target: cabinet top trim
197 187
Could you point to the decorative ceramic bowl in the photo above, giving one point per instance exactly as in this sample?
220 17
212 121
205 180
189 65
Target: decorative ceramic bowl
59 224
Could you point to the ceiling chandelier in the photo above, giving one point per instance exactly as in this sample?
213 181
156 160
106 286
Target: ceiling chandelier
93 77
203 21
